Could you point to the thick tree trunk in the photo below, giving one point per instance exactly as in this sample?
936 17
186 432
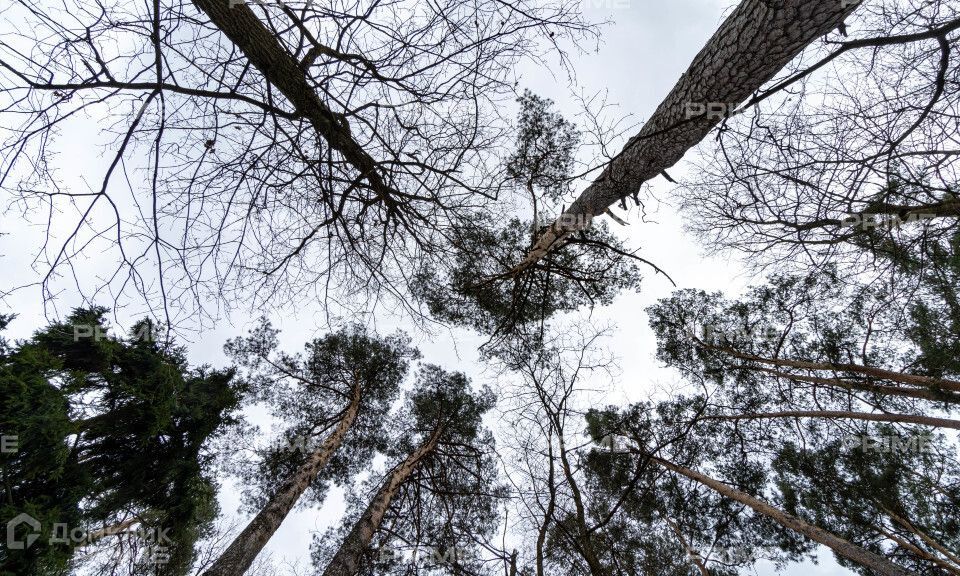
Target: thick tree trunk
261 47
840 546
757 40
840 415
346 561
238 557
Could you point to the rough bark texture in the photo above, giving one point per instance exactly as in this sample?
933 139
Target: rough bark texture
347 559
266 54
755 42
238 557
840 546
839 414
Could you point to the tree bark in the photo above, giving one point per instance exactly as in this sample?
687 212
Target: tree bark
241 553
840 546
758 39
839 414
346 561
261 47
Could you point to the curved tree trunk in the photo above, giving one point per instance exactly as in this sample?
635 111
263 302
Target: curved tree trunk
346 561
757 40
840 546
238 557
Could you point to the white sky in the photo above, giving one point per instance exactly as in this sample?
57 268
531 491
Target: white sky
645 48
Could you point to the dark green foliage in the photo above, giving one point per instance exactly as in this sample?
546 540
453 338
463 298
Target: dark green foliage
814 318
866 491
473 288
644 504
591 270
110 429
546 145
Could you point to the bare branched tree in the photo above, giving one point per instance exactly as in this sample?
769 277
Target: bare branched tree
850 152
265 150
544 414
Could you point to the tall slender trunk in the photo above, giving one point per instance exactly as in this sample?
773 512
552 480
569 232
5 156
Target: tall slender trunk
932 542
840 415
757 40
585 541
551 503
878 373
839 545
238 557
904 391
692 554
346 561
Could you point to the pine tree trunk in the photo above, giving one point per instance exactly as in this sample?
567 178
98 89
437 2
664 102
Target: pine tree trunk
878 373
932 394
346 561
238 557
840 546
758 39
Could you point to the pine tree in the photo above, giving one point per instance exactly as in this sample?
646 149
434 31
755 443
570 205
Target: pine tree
333 400
436 506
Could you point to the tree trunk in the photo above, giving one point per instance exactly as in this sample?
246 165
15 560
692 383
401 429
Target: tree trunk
346 561
261 47
904 391
692 554
840 546
551 505
758 39
238 557
839 414
878 373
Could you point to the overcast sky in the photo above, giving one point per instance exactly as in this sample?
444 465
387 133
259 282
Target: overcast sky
645 48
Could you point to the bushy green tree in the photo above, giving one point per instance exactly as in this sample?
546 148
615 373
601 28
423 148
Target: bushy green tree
113 441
